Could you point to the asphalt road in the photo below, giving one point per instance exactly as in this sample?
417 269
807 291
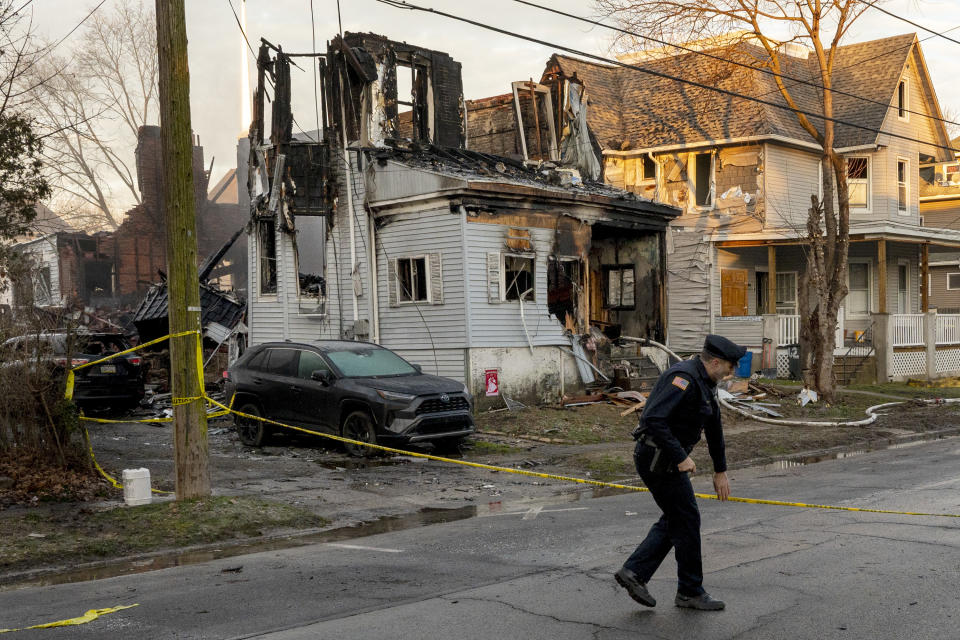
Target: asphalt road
542 569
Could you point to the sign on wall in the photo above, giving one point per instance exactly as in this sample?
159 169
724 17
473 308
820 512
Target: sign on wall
492 381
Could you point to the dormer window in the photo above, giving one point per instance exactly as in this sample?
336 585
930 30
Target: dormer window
903 100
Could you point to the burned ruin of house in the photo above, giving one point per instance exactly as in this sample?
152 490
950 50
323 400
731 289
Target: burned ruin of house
383 226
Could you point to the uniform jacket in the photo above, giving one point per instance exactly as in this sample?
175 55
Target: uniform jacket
681 407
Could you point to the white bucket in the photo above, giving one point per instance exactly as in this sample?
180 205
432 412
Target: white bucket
136 487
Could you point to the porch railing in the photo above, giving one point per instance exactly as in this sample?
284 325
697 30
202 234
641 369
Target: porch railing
908 329
789 329
948 329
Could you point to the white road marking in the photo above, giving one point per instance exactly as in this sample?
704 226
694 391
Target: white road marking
361 548
532 513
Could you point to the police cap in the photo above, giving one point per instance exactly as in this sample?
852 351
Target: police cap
723 348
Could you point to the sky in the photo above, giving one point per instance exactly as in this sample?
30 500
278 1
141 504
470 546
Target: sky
490 61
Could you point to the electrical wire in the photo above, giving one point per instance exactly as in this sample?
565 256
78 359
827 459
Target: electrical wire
910 22
400 4
726 61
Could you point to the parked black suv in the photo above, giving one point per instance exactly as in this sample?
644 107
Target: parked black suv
115 384
359 390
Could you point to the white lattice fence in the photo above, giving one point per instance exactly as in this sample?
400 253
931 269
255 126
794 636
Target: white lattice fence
783 363
909 363
948 360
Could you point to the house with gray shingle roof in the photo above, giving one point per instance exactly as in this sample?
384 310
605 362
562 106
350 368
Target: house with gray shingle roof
743 173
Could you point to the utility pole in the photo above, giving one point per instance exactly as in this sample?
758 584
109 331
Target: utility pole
190 448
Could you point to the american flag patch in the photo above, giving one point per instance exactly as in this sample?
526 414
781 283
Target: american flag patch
680 382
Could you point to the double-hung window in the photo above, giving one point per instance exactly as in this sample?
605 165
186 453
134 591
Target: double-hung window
858 298
858 182
903 186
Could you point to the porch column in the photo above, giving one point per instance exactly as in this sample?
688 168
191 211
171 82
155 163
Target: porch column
883 345
882 275
925 278
772 279
930 341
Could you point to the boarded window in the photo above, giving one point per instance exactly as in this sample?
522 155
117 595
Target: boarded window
858 182
518 277
620 282
267 247
703 175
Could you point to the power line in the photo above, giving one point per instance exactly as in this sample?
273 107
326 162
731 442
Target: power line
910 22
400 4
726 61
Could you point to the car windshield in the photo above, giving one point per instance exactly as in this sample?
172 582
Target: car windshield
370 362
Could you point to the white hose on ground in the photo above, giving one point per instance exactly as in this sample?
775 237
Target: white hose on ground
853 423
653 343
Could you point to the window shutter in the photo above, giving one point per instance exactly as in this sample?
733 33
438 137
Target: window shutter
392 283
436 278
493 277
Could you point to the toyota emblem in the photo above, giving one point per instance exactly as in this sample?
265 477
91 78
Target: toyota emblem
444 398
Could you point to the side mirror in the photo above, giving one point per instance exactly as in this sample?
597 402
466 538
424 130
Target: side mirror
418 368
322 375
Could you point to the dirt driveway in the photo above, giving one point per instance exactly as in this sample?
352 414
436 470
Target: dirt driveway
590 442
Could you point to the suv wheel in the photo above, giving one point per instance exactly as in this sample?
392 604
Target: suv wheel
359 426
253 433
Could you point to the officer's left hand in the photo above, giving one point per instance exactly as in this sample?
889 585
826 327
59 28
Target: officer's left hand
721 485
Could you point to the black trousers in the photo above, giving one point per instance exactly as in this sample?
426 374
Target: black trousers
678 528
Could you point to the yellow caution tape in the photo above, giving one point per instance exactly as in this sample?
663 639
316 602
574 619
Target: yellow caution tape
477 465
89 616
550 476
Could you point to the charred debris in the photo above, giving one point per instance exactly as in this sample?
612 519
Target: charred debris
390 108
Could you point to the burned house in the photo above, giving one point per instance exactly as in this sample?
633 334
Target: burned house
385 227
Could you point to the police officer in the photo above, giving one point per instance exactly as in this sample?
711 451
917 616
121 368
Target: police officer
682 405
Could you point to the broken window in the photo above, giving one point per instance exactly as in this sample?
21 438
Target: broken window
267 249
703 177
649 170
620 281
518 277
311 240
412 280
412 92
563 287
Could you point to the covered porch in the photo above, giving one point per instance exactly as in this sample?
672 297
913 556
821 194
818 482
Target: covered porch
756 283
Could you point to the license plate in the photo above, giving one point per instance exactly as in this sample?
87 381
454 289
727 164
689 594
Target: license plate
108 368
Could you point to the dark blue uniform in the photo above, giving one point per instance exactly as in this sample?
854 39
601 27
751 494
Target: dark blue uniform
681 407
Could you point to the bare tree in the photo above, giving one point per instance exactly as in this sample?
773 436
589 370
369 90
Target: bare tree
22 183
821 27
952 116
94 103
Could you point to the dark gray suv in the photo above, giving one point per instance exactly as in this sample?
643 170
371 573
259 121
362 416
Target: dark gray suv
359 390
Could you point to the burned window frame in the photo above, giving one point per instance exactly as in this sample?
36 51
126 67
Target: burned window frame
267 257
506 286
705 183
608 271
427 284
307 280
